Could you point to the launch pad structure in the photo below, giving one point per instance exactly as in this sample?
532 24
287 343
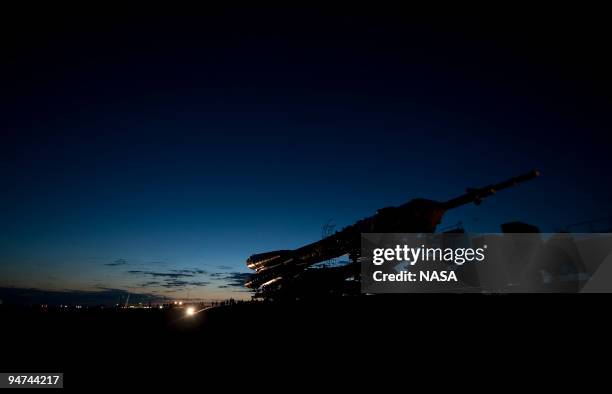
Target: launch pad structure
294 274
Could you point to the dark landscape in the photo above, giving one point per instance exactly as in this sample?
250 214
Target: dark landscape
208 195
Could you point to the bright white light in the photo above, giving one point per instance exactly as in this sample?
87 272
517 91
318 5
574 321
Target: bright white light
190 311
180 302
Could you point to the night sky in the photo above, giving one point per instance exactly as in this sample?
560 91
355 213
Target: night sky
154 154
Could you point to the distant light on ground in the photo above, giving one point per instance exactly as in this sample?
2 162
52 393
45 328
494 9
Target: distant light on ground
180 302
190 311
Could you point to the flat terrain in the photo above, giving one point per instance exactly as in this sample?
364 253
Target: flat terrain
251 338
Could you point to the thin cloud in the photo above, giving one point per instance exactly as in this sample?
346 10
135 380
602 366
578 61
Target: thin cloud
194 271
231 279
161 274
117 263
173 283
150 283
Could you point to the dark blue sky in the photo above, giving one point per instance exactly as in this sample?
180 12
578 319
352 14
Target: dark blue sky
155 154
